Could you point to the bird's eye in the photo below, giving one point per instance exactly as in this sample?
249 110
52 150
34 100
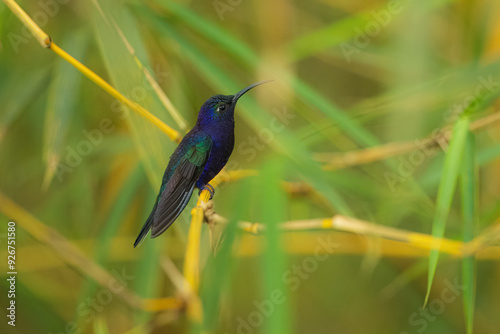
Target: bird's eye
221 107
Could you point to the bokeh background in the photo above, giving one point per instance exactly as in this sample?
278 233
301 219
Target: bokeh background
84 170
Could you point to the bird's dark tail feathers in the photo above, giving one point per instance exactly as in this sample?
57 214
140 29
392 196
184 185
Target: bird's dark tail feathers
146 227
169 209
174 196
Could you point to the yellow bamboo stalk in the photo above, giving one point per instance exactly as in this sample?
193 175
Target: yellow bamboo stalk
364 156
343 223
46 42
28 22
192 258
171 133
162 304
191 264
306 243
348 224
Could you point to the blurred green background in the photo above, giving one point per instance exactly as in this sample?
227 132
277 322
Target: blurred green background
348 75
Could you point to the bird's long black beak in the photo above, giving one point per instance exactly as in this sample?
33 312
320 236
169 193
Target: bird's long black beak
244 90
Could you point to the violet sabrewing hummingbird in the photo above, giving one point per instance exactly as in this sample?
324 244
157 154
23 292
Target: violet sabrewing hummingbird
200 156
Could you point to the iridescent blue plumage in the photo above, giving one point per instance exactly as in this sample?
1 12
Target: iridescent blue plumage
200 156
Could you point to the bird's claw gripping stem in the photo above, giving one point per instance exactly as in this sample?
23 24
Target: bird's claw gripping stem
210 189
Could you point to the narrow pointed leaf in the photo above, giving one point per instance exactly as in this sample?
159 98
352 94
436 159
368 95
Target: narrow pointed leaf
446 190
273 203
469 193
128 78
61 104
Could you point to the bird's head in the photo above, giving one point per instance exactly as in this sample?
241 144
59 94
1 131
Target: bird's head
220 108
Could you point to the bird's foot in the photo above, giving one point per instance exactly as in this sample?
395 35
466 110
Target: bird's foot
210 189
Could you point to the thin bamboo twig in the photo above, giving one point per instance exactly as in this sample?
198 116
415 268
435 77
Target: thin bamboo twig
372 154
488 237
181 122
347 224
309 243
47 42
177 280
302 189
364 156
352 225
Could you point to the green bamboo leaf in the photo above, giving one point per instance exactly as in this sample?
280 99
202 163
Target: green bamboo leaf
274 206
129 79
21 90
446 190
100 326
61 103
469 192
165 100
432 175
485 155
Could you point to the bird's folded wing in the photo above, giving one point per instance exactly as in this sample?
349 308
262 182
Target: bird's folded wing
179 188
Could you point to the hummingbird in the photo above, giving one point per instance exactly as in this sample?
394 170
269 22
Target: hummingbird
200 156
